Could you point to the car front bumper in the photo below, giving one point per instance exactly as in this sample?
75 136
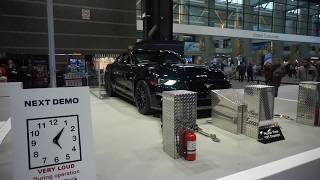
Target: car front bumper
203 103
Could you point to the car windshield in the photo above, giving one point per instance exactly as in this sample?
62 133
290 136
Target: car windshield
156 57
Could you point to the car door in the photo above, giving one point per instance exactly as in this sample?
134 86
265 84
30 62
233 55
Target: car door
122 74
117 74
129 74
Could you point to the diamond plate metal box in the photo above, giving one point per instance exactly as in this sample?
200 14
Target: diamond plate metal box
179 112
228 110
260 101
308 103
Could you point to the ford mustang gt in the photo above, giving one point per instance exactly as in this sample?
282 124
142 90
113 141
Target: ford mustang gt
142 76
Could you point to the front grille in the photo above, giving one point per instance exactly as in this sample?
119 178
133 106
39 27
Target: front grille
203 102
206 85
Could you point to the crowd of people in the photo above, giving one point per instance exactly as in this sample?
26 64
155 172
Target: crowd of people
9 72
274 71
30 76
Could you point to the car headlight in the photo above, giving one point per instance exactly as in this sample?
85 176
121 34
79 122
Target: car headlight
167 82
170 82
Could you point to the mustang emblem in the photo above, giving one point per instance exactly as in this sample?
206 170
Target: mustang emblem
202 75
208 85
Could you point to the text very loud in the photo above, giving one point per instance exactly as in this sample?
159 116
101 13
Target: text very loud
47 102
54 168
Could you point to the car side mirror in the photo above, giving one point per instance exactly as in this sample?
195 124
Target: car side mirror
129 65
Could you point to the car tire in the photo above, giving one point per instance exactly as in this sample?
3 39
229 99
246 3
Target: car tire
142 98
108 86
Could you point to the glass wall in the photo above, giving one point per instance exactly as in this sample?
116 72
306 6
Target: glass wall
281 16
181 11
220 13
235 14
265 17
313 20
198 12
292 14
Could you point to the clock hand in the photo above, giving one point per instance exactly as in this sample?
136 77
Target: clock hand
56 139
57 143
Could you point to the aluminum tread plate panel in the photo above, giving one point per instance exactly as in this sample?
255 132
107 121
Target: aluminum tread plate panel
228 109
179 113
308 103
260 101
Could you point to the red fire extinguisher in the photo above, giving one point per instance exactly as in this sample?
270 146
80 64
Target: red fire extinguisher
190 146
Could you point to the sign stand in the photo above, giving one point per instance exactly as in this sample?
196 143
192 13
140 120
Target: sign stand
52 134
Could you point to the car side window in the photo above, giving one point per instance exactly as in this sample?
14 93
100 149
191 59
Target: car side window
124 59
120 59
127 59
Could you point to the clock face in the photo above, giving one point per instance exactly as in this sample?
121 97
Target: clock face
53 140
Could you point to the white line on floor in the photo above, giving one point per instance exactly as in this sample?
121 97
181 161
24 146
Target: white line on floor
4 130
275 166
292 100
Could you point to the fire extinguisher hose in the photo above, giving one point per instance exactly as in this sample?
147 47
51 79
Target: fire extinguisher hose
213 137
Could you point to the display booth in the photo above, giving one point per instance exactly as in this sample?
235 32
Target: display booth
96 72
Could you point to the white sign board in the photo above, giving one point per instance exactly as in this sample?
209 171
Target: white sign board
85 14
52 135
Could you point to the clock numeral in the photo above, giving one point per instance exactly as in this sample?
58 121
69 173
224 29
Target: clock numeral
56 159
35 154
33 143
43 125
54 122
74 138
73 128
68 156
35 133
74 148
44 160
66 122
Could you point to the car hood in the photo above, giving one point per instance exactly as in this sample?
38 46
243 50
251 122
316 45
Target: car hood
198 78
192 71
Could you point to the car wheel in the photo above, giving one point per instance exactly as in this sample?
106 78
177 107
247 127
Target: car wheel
108 86
142 98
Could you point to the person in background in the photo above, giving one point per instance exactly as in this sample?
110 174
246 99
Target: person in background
3 69
255 71
28 76
289 70
278 72
307 72
242 71
222 65
2 77
267 68
13 73
295 70
318 70
250 72
292 70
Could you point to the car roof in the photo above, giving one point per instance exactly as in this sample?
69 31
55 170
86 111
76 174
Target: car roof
154 51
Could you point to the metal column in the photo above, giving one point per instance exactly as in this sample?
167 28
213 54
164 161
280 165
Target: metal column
51 44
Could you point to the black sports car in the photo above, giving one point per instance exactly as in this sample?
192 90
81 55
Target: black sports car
142 75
